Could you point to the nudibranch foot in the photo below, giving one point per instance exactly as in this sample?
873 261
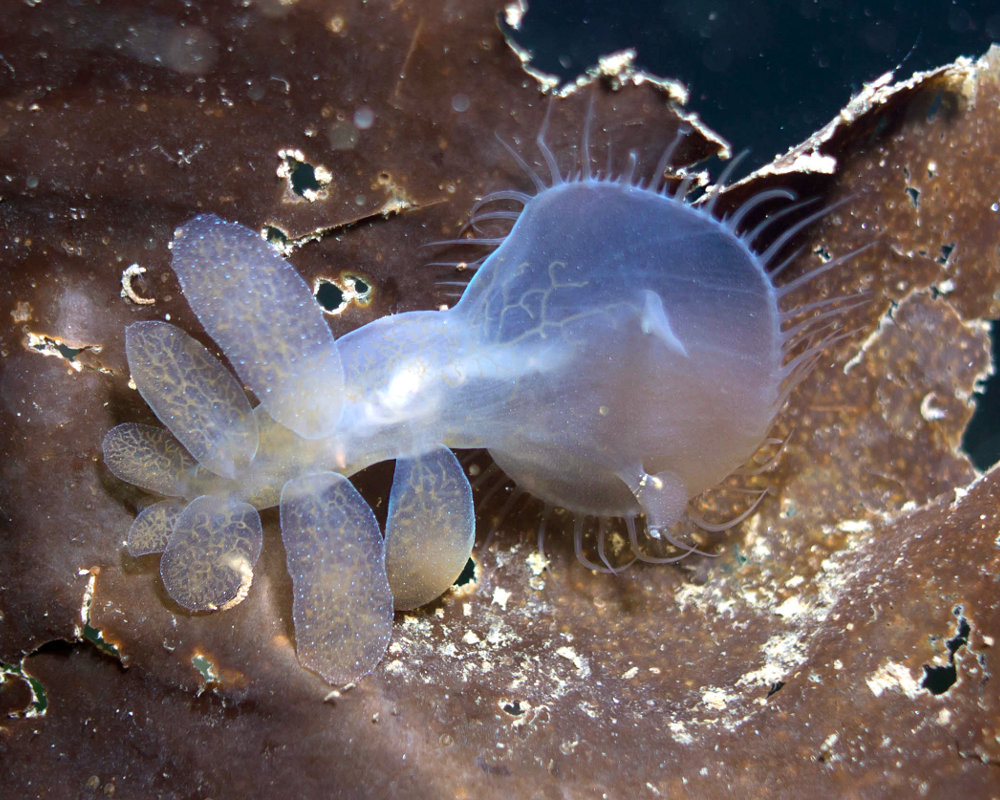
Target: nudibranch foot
663 498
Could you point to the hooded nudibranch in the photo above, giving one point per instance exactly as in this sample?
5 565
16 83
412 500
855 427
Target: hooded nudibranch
618 353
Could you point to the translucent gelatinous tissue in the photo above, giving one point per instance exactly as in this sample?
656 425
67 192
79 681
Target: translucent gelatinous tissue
430 529
619 352
209 559
150 457
261 313
151 530
342 606
194 395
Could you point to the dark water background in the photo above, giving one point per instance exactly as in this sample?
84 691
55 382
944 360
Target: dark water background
765 75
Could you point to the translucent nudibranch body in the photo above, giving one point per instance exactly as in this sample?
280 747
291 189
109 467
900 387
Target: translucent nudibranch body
618 353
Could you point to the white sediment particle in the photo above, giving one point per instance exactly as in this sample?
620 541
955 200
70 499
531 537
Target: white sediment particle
617 64
929 410
537 564
827 746
706 599
567 747
680 733
793 607
514 13
960 493
500 597
727 606
417 625
689 594
893 675
134 271
760 550
22 312
88 599
471 638
813 162
868 343
782 653
715 698
582 667
499 633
